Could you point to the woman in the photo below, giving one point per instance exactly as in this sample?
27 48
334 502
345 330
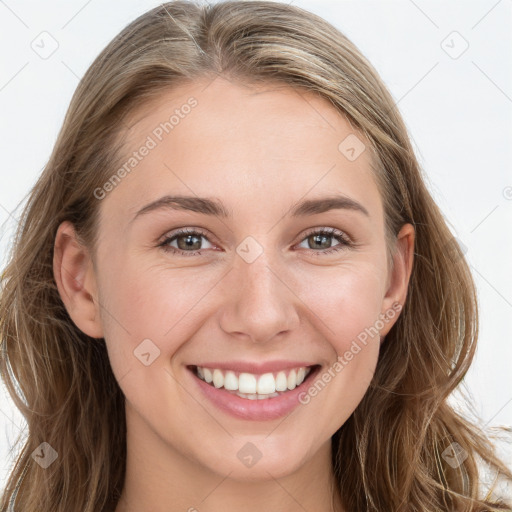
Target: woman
196 349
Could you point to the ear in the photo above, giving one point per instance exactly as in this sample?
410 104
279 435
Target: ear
76 282
398 280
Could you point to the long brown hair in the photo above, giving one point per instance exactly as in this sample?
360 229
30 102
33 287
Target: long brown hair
388 456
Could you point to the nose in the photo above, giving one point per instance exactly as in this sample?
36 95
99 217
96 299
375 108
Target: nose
259 302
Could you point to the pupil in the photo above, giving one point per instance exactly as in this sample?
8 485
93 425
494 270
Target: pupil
323 238
188 244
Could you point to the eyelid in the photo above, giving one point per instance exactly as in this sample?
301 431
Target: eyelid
331 231
192 230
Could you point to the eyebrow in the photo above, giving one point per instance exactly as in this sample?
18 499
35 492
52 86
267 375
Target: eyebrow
215 207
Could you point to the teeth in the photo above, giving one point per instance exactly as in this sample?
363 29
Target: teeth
292 380
254 387
253 395
281 382
208 377
247 383
218 378
230 381
266 384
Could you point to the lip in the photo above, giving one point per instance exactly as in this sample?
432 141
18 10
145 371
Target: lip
256 368
253 410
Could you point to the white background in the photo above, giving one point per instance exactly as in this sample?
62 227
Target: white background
458 112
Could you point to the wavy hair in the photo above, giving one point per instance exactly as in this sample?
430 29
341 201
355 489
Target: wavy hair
388 456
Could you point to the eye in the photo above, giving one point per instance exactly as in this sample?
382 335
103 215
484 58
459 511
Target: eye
322 240
188 242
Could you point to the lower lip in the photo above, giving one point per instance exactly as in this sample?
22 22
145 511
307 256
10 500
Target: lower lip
255 410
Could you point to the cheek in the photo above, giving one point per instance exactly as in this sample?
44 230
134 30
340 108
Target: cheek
347 301
349 305
340 388
348 309
141 303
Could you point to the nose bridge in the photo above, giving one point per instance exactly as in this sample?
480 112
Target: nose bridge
259 304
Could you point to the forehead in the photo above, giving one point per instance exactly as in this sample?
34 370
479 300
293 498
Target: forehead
240 141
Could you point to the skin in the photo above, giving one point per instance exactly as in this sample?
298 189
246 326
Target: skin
259 150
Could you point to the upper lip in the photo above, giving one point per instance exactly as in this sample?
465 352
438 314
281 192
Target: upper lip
256 368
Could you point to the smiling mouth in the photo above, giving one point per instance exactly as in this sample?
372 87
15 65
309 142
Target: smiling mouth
254 386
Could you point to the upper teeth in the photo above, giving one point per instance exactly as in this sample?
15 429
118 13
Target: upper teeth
264 384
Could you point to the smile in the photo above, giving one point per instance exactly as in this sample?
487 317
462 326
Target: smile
253 391
252 386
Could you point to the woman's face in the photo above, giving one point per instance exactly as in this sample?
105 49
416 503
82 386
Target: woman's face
253 287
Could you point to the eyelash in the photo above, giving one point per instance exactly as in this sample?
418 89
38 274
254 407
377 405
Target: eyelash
344 240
